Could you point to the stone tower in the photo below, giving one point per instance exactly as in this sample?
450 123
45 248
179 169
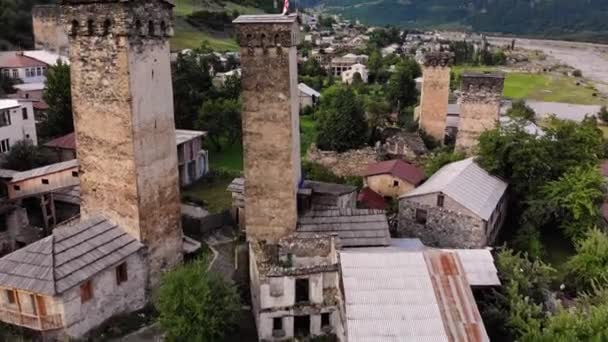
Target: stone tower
271 130
479 101
435 93
123 115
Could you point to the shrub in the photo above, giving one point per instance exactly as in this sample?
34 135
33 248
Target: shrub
577 73
590 264
196 305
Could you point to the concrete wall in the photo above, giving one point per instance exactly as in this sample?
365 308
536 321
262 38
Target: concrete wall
385 185
271 134
20 128
479 108
49 34
109 298
434 100
121 83
15 220
445 227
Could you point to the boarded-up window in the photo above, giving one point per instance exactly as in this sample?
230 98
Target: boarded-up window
86 291
10 297
121 273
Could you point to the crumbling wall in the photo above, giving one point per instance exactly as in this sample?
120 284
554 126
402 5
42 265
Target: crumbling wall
49 33
444 228
479 108
123 113
435 93
349 163
271 133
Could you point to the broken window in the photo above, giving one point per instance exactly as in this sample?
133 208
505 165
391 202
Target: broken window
302 290
10 297
301 326
121 273
421 216
325 322
440 199
86 291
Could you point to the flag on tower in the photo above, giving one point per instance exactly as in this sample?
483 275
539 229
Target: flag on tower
286 7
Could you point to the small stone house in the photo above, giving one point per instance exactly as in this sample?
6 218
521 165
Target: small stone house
73 280
392 178
460 206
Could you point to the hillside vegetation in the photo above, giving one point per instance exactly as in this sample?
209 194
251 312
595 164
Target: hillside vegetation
550 18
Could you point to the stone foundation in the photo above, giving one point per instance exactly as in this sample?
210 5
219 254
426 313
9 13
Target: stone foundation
349 163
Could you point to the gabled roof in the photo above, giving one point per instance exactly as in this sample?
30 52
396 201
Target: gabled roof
17 59
45 170
371 199
466 183
308 90
66 142
396 168
355 227
71 255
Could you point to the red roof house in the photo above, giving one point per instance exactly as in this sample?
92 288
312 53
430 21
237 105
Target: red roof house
392 178
370 199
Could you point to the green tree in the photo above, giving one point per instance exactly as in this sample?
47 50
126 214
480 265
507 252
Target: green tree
232 88
192 84
342 124
6 85
25 156
58 95
196 305
603 114
520 110
589 266
439 160
312 68
221 119
401 89
374 65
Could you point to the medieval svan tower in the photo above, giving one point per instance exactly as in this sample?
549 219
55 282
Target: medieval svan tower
123 115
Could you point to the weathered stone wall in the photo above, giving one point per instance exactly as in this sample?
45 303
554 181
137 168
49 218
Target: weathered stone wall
385 185
404 145
123 113
49 33
479 108
109 298
435 94
444 228
271 133
349 163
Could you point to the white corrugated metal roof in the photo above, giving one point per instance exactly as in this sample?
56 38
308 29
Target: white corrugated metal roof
47 57
6 104
389 297
308 90
478 266
183 135
466 183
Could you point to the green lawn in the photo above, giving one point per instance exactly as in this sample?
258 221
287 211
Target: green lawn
542 87
213 192
188 37
308 133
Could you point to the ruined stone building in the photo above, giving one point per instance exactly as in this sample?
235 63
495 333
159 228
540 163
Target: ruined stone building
435 94
460 206
49 33
129 232
480 100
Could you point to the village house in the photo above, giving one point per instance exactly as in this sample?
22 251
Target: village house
17 123
339 65
369 199
32 92
308 96
221 77
392 178
348 76
460 206
193 160
17 66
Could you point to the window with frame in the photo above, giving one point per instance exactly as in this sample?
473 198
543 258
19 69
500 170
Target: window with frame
15 73
277 323
38 71
325 320
86 291
24 113
421 216
6 73
5 146
5 118
440 200
10 296
121 273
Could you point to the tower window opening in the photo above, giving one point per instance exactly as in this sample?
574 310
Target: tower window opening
163 28
74 28
91 27
138 27
107 26
151 30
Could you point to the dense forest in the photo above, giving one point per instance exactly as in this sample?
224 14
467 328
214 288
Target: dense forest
16 23
583 19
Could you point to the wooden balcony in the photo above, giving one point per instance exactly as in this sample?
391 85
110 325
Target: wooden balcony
35 322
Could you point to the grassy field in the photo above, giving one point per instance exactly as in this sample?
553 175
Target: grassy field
308 133
189 37
213 192
543 87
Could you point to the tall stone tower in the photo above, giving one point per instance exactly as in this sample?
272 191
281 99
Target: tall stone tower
479 101
123 114
271 130
435 93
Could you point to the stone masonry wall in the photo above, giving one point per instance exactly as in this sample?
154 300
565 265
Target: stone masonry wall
444 228
123 113
435 94
349 163
49 33
271 134
479 108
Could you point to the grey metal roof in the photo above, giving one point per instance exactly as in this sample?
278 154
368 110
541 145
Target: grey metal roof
355 227
183 135
238 185
71 255
265 19
45 170
466 183
308 90
478 266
